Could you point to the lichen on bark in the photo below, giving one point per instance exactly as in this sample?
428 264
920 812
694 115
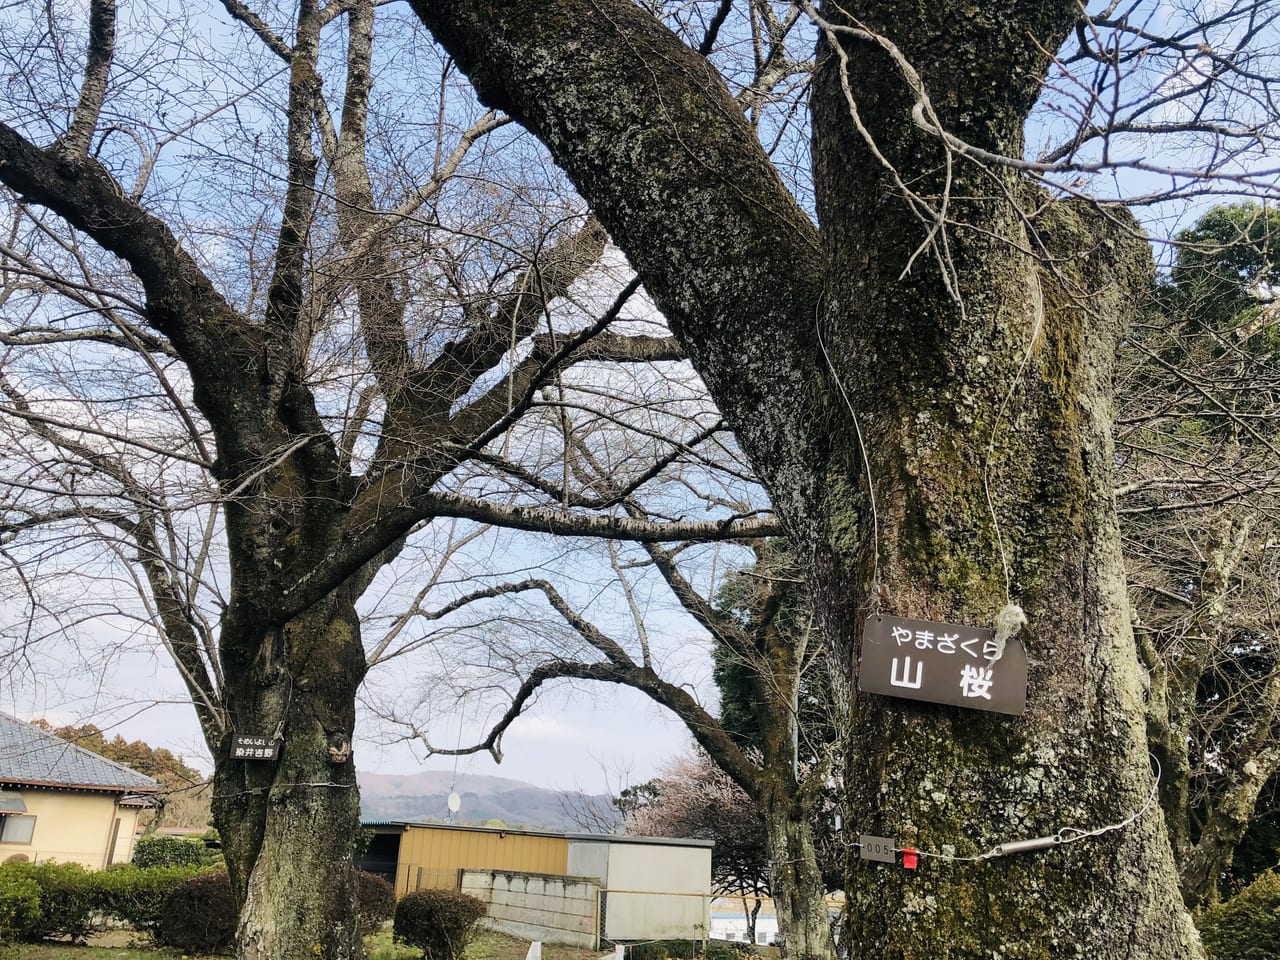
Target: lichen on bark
976 383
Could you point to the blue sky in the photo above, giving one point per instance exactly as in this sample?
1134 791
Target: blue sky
572 738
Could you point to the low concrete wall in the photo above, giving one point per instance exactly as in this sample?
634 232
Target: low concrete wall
538 906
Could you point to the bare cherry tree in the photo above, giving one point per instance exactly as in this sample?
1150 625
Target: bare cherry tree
921 381
261 344
1198 485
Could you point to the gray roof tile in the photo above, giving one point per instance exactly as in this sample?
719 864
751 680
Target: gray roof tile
32 756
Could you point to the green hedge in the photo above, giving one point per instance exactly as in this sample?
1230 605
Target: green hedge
438 922
61 900
1246 927
68 899
19 904
162 851
199 914
186 906
135 895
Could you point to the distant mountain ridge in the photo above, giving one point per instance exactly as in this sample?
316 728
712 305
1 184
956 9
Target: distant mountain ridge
425 796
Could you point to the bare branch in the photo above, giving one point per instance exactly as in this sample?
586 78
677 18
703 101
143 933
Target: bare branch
562 523
241 12
93 89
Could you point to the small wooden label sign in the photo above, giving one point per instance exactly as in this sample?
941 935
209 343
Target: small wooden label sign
254 748
942 663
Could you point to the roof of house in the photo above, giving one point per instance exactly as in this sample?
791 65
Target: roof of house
35 757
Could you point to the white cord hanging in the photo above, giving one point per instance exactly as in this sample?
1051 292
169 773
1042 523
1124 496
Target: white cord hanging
1063 836
866 461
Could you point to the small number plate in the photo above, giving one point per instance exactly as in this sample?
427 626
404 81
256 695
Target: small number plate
877 848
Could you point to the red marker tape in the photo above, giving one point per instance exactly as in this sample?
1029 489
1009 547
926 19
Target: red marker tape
910 859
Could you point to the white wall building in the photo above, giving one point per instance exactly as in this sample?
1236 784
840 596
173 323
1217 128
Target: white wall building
652 888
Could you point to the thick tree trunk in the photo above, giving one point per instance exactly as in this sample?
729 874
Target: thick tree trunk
958 783
945 472
983 379
289 825
978 383
799 895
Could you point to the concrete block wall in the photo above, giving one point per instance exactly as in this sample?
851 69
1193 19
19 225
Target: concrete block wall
537 906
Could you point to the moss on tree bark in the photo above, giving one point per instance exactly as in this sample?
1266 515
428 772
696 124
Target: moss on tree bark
979 370
288 825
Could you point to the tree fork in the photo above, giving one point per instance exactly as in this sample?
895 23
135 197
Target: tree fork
918 314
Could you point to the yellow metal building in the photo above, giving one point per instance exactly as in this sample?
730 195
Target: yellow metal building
430 855
641 888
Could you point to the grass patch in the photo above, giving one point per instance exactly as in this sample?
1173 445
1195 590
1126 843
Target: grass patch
497 946
486 946
58 951
115 946
380 947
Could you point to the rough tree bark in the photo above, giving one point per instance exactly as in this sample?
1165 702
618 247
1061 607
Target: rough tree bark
795 880
288 825
978 372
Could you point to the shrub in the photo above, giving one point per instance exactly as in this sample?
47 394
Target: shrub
199 916
1246 927
68 899
159 851
664 949
212 849
51 900
723 950
19 903
137 896
437 922
375 901
687 950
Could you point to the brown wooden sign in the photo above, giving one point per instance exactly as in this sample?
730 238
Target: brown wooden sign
942 663
254 748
